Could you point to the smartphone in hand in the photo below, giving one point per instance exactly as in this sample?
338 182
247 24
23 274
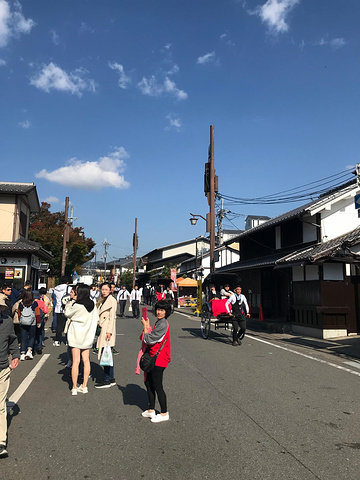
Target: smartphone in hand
144 313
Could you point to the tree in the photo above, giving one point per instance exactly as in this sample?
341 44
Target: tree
127 279
47 228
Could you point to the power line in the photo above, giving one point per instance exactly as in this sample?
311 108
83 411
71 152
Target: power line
308 191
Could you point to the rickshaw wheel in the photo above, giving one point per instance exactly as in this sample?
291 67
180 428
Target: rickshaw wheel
205 323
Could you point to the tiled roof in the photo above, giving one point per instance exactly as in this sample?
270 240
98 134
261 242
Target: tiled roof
324 249
24 246
26 189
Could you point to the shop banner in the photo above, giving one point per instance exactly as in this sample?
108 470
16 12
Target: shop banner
173 278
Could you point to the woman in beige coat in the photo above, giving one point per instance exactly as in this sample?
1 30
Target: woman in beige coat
106 306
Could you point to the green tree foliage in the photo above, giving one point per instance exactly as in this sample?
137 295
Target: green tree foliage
127 279
47 228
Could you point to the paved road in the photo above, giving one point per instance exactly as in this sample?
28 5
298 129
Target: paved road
260 411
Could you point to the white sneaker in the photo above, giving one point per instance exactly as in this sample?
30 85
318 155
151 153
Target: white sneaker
74 391
148 414
82 389
22 356
56 344
29 355
160 418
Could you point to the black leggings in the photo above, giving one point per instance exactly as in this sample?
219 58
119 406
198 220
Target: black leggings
153 384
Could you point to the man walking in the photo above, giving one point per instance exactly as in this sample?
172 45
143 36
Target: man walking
238 309
135 301
121 298
59 292
8 344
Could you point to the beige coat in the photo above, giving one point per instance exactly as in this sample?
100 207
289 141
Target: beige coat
107 321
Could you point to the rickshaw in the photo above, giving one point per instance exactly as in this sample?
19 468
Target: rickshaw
214 311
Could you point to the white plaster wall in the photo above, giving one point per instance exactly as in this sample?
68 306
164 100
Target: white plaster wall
7 212
342 218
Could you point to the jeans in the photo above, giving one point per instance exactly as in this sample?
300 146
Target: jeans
61 320
39 336
108 373
27 337
54 322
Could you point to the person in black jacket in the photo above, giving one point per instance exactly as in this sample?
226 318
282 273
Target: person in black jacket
8 343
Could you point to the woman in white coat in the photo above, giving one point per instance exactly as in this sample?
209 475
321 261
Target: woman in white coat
106 306
81 325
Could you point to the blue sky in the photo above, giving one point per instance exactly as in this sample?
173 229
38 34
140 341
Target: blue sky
110 103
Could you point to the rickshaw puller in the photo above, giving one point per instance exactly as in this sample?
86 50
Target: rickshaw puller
238 308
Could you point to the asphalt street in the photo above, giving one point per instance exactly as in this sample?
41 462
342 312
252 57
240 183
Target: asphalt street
267 409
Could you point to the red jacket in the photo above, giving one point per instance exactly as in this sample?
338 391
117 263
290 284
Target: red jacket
164 356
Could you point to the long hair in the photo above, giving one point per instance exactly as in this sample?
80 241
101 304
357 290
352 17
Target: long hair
82 292
27 298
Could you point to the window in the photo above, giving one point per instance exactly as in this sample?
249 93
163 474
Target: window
333 271
23 224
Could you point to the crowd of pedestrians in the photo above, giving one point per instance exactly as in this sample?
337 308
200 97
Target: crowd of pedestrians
87 316
82 314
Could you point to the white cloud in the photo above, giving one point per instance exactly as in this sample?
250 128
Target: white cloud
85 28
274 14
12 21
207 58
153 88
52 77
55 37
26 124
124 80
51 200
174 122
2 62
105 172
334 43
225 38
173 70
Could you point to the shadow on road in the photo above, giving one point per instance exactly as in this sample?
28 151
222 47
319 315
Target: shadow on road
134 395
214 336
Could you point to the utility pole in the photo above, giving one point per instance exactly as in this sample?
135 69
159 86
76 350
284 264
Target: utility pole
135 245
106 244
211 187
65 236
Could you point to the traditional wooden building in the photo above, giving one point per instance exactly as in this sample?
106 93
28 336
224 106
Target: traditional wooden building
303 266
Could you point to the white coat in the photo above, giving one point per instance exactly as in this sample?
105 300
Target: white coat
81 325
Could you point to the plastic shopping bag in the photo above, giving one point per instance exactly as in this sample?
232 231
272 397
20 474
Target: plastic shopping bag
106 359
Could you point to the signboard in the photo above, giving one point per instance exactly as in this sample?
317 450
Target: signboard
9 273
357 201
35 261
18 273
199 297
173 278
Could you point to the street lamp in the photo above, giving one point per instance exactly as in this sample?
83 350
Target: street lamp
194 218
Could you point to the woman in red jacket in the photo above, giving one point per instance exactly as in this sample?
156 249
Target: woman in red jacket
158 337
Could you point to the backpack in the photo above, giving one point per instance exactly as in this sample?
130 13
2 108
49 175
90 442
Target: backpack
27 316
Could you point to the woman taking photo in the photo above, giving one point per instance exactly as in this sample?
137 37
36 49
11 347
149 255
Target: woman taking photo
82 319
156 339
106 307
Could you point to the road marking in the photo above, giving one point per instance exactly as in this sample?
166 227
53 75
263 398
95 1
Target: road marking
353 364
25 384
304 355
188 316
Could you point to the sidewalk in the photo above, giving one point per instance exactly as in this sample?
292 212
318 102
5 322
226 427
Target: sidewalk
349 346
